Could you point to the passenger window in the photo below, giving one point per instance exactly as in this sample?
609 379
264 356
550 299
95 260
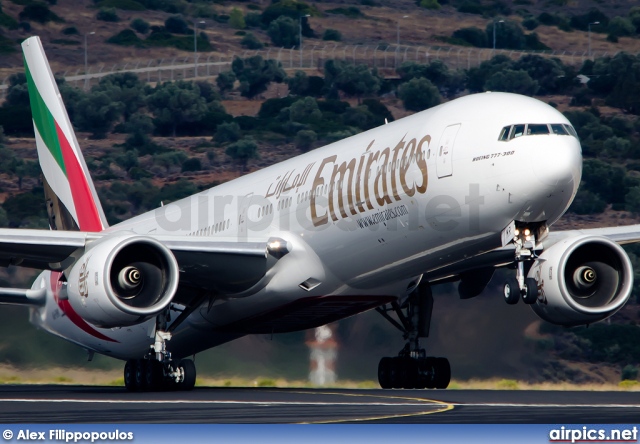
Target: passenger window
504 134
535 129
518 130
558 129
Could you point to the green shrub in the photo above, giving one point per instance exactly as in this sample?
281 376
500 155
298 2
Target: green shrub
126 37
191 164
250 41
140 25
305 139
71 30
252 20
65 41
470 7
472 35
332 34
351 12
7 46
227 132
629 372
38 12
177 25
530 23
127 5
7 21
429 4
107 15
236 20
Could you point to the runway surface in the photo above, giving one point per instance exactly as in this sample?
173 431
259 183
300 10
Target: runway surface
78 404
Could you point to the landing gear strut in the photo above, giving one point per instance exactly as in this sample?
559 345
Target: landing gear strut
157 370
412 369
522 286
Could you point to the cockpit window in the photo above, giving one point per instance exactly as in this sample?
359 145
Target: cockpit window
504 134
518 130
534 129
571 130
558 129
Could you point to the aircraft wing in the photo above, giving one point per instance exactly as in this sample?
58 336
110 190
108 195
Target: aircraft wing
213 265
629 234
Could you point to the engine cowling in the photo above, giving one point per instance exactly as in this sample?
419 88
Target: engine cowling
581 280
122 280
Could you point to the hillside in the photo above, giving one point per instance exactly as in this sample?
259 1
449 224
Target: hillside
358 22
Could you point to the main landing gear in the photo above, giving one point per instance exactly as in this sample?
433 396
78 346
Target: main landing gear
520 286
412 369
157 370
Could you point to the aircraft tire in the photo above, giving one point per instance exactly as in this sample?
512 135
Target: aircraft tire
130 375
531 295
511 291
442 373
384 373
189 380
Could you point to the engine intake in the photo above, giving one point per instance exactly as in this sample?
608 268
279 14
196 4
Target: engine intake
123 280
582 280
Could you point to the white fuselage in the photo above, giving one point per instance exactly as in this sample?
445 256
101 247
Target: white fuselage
364 218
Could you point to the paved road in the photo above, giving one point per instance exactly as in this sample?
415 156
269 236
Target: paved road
77 404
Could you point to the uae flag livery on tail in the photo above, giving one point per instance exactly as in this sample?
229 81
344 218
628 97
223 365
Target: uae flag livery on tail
72 201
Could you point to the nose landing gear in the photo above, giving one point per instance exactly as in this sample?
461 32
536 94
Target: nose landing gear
412 369
520 286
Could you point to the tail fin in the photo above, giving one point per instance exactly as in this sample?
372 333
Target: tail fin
72 201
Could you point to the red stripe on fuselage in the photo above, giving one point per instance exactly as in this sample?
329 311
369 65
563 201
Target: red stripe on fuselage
85 206
68 310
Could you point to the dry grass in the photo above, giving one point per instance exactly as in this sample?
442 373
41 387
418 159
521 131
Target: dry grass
73 376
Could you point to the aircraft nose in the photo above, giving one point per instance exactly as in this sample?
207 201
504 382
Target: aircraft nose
559 161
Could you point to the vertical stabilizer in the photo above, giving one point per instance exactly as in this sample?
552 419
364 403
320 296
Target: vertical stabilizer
72 201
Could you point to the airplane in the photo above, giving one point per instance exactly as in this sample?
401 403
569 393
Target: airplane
371 222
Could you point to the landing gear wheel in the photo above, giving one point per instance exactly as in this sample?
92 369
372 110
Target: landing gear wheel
530 296
141 370
412 374
189 369
511 291
429 368
442 373
154 375
130 375
384 373
395 373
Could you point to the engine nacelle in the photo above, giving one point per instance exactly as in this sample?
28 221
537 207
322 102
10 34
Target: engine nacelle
122 280
581 280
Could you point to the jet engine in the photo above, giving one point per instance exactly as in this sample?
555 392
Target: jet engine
122 280
581 280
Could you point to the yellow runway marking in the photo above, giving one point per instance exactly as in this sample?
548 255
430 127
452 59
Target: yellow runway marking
444 407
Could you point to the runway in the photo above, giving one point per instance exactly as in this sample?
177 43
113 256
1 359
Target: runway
84 404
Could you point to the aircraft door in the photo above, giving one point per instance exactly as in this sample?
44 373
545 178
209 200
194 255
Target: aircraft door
243 205
444 154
